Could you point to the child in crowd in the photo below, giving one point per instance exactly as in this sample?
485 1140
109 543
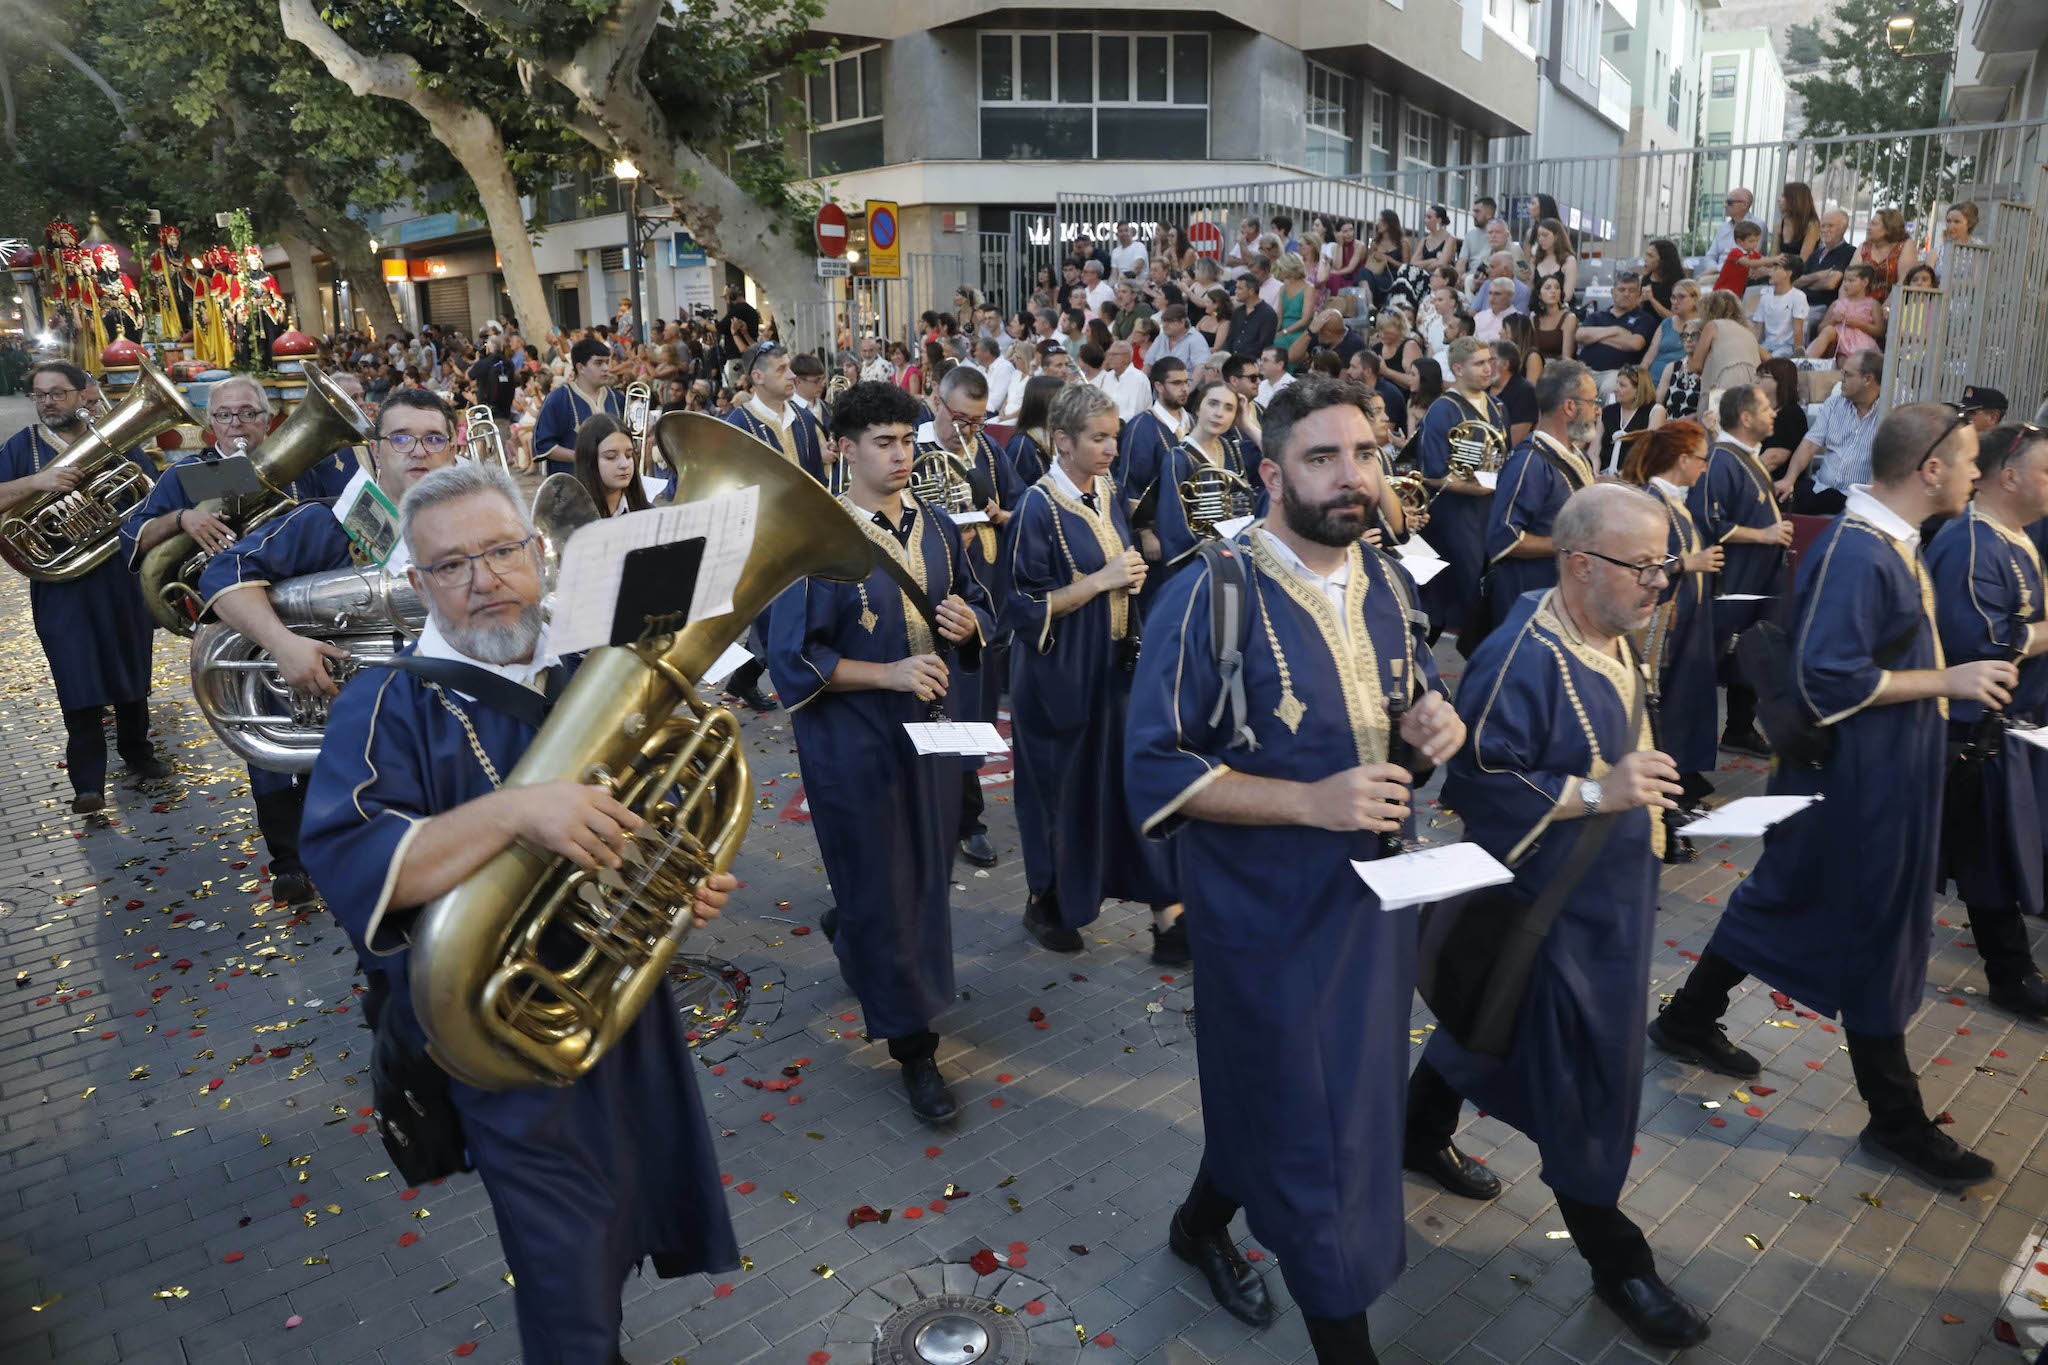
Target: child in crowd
1781 312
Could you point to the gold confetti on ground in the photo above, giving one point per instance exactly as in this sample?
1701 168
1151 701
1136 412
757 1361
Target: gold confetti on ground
1755 1242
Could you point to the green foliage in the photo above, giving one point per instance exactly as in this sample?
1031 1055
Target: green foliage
1803 46
1868 88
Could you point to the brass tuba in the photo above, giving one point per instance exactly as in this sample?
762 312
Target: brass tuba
236 682
326 421
1213 494
481 439
532 968
1476 446
56 537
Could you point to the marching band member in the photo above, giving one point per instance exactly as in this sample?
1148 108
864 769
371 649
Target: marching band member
959 411
1030 448
1678 645
1556 707
569 405
1215 410
94 630
1838 911
856 662
1457 520
607 468
1393 528
1734 507
586 1180
1070 578
770 416
1540 474
1152 434
1988 601
1268 801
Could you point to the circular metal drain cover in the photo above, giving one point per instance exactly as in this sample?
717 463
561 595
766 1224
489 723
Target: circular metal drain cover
952 1329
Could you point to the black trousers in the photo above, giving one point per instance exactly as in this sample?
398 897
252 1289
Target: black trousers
913 1047
1608 1238
746 677
2001 934
1809 501
1741 709
85 742
277 817
1885 1079
971 803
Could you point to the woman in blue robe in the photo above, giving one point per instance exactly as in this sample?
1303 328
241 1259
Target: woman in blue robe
1733 506
1302 981
1988 595
1030 447
1214 404
1678 646
94 630
1067 568
1539 475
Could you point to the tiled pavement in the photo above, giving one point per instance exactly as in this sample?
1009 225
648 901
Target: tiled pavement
186 1173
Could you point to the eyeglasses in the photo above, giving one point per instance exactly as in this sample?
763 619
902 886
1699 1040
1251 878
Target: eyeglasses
239 416
53 395
963 424
460 570
1957 418
1646 574
404 441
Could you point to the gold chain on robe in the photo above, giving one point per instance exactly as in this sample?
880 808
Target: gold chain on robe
917 635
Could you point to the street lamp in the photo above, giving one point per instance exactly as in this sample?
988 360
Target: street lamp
1898 30
629 176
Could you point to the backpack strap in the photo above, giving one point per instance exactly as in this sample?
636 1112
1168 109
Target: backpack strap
1230 626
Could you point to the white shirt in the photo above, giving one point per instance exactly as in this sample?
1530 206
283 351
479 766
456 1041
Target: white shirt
1176 422
1130 258
1072 489
878 369
1331 587
1002 376
1269 294
1877 514
1267 388
1778 312
1131 390
785 418
434 645
1099 294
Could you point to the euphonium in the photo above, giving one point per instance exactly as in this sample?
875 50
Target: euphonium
944 480
1213 494
236 682
1476 446
327 420
532 968
56 537
481 439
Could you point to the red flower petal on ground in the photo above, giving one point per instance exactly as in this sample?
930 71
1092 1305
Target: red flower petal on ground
1017 1263
1955 1000
849 1018
1962 1031
1998 1052
359 1128
299 1200
215 1083
1254 1254
913 1212
1753 1110
983 1262
866 1213
818 1358
1781 1000
1814 1066
767 1118
1938 1061
1166 978
1105 1339
1035 1307
723 1291
406 1239
409 1194
933 1151
2002 1329
718 1070
937 1206
1764 1089
801 930
1018 1248
465 1348
744 1187
1005 1078
1036 1014
997 1103
725 1179
1717 1122
1688 956
232 1257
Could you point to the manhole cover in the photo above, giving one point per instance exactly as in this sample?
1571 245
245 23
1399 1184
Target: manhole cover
711 993
952 1329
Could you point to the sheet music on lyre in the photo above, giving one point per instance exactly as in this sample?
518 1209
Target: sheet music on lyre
588 590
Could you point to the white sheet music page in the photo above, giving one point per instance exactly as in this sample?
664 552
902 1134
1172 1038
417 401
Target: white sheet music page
587 594
977 738
1746 817
1431 874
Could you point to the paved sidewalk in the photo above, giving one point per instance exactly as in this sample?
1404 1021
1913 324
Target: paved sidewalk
187 1172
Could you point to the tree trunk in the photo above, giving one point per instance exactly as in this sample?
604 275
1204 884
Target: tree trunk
467 132
313 319
347 244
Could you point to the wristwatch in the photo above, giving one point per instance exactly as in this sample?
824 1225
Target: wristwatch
1592 793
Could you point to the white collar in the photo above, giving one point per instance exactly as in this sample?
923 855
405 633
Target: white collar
1671 491
781 419
1175 424
798 401
1293 561
1743 446
432 644
1068 486
1866 506
928 435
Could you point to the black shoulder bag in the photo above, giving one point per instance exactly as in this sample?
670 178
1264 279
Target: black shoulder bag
1477 951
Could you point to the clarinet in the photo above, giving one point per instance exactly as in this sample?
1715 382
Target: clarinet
1677 849
1402 754
1987 736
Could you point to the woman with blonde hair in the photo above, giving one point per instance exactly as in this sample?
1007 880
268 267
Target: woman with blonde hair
1397 348
1635 409
1668 348
1296 298
1727 352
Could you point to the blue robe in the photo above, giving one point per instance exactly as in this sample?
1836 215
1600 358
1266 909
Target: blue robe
1178 539
1848 935
1457 524
1141 456
806 437
1030 456
587 1179
1541 709
1532 491
885 819
1987 592
307 539
94 629
1679 652
1735 491
1069 693
326 479
979 692
1303 984
561 413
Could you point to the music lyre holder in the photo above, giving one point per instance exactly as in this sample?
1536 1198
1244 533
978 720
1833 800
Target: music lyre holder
656 584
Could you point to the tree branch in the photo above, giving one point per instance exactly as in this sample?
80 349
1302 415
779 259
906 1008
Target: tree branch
35 19
7 124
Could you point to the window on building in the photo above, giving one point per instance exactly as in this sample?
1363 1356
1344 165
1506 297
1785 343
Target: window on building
1516 18
1380 131
845 107
1329 121
1724 82
1621 42
1720 141
1073 96
1675 106
1419 146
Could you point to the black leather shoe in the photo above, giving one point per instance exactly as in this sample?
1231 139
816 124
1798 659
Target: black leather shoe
930 1099
1930 1153
85 803
1052 937
1711 1050
1170 945
1653 1312
1746 741
757 699
149 769
829 923
1453 1170
293 888
2027 996
976 849
1231 1279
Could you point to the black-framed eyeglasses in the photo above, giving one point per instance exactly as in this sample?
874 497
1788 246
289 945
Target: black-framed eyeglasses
1958 417
52 395
1646 574
460 570
403 442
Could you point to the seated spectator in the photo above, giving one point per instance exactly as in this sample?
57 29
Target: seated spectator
1836 452
1517 395
1922 276
1500 266
1663 272
1349 256
1618 334
1669 347
1821 280
1855 322
1778 380
1958 225
1500 302
1679 390
1728 353
1984 405
1129 307
1737 203
1293 301
1475 247
1635 408
1327 333
1254 323
1887 250
1781 310
1273 375
1390 238
1553 329
1436 246
1733 275
1553 257
1457 324
1096 290
1798 223
1397 349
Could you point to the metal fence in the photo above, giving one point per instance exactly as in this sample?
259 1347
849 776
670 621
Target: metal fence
885 308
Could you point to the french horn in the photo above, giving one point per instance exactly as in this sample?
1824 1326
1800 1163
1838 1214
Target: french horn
944 480
1413 493
57 537
1214 494
530 970
327 420
1476 447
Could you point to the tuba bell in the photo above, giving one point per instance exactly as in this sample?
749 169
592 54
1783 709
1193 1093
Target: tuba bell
56 537
327 420
1214 494
532 968
1476 446
481 439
